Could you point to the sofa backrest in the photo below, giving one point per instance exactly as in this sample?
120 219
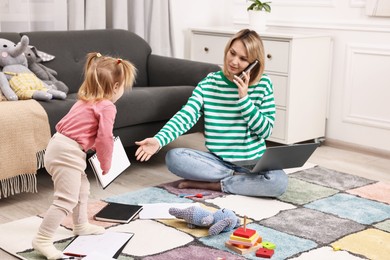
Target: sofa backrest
11 36
71 47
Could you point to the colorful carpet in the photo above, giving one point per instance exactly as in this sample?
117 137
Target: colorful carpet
323 215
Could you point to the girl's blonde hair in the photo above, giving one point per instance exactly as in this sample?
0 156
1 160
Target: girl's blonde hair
255 51
100 75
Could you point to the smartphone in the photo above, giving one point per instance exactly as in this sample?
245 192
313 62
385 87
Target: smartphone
248 69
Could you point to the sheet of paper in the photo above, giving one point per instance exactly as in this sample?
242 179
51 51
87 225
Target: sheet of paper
161 210
119 163
106 245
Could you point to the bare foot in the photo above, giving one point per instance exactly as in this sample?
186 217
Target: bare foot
199 185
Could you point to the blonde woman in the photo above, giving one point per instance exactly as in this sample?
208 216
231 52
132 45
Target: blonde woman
239 114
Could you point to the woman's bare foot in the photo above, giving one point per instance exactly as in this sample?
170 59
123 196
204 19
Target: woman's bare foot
199 185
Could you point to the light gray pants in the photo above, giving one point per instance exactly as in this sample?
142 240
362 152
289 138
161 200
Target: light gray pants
196 165
65 161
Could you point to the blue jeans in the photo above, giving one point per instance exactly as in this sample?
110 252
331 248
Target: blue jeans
204 166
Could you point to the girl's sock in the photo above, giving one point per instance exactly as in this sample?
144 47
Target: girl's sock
45 246
87 229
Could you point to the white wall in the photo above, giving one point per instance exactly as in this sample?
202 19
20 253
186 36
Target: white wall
359 93
189 13
30 15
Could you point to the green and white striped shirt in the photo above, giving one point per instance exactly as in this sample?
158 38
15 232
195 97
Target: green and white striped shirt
235 129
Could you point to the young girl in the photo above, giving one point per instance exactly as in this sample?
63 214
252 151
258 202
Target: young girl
88 125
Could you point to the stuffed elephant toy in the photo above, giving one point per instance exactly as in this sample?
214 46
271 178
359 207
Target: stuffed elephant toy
16 80
223 220
44 73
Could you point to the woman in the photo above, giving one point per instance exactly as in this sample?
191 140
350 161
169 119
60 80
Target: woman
239 115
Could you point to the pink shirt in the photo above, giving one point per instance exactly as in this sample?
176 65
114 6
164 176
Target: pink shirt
91 125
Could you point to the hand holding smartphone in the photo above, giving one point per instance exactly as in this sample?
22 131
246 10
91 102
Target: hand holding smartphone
248 69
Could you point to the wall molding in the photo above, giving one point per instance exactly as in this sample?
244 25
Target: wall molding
306 3
352 51
356 148
335 25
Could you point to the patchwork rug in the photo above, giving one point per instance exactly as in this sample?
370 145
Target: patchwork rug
324 214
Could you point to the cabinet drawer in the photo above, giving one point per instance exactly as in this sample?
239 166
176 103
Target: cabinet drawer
280 89
279 129
208 48
276 55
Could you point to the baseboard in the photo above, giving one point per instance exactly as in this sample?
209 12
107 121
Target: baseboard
357 148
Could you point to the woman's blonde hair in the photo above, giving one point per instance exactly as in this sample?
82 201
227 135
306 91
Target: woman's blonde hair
100 75
255 51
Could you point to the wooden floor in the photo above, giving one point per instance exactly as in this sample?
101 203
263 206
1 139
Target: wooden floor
140 175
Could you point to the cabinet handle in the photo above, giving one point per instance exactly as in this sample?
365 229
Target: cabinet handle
269 56
206 49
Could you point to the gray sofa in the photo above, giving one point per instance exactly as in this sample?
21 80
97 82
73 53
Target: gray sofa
163 84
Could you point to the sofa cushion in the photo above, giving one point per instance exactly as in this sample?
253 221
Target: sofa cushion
71 47
150 104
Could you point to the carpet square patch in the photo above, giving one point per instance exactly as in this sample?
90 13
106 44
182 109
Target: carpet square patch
331 178
21 232
172 187
372 243
379 191
151 237
148 195
252 207
311 224
385 225
326 253
361 210
286 245
93 207
194 252
301 192
182 226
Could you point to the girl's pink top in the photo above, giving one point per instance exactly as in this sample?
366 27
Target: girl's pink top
90 124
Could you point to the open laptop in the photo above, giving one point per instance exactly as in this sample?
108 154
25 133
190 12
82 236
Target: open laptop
280 157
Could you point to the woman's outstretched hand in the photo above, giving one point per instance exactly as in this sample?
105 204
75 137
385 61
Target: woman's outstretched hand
146 149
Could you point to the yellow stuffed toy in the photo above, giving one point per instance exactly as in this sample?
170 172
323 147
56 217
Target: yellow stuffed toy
16 80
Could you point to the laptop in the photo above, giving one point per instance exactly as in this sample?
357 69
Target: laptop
280 157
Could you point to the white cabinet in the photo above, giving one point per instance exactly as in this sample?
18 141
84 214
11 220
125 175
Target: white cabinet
298 65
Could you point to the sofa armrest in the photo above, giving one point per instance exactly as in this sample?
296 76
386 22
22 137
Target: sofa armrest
167 71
